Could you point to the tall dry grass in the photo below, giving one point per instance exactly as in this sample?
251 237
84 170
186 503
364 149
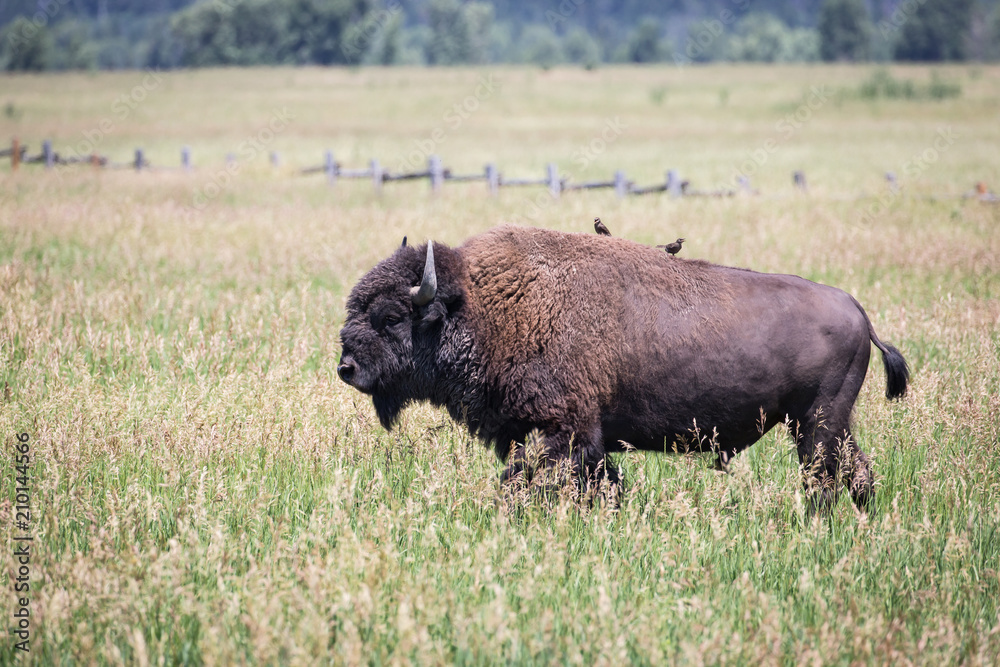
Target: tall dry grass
207 492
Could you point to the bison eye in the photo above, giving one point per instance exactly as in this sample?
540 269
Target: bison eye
382 320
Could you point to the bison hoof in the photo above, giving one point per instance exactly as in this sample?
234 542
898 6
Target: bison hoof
722 462
863 495
822 502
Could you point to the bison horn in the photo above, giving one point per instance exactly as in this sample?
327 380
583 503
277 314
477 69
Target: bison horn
428 286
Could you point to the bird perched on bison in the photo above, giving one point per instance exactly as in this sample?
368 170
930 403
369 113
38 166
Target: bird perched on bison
673 248
600 227
596 342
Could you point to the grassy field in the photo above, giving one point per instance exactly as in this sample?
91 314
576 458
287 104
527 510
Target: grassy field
204 490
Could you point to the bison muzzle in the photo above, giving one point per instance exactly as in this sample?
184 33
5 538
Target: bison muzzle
600 343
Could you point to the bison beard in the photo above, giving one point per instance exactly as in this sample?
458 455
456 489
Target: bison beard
596 342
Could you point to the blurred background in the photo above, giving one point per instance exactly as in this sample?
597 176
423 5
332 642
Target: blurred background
114 34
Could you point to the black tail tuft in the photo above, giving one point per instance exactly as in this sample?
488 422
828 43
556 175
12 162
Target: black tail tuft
896 371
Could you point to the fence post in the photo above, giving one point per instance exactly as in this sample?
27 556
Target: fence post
555 187
621 185
673 183
799 178
493 178
138 159
377 177
186 158
330 167
47 152
275 159
436 169
15 154
95 161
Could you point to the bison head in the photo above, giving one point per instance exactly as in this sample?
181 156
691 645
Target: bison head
388 339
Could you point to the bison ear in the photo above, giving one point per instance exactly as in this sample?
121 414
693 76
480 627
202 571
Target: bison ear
432 314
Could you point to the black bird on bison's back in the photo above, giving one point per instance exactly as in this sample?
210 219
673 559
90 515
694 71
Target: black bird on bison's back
601 346
600 228
672 248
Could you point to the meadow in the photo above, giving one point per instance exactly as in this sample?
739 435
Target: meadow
204 489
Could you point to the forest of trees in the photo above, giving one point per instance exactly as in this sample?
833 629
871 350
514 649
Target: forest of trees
37 35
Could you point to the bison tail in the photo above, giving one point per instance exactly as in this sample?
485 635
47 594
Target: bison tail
896 371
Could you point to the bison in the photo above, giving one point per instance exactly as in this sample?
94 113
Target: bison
602 343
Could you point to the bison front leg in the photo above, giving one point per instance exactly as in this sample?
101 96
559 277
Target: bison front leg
543 459
558 456
580 455
517 465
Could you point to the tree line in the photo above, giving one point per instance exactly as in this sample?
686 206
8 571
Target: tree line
110 34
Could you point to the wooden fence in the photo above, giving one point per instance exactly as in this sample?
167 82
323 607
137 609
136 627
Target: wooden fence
438 175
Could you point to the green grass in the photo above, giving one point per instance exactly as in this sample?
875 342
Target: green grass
206 491
882 84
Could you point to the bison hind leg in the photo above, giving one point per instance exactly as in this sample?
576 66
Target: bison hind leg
830 457
856 471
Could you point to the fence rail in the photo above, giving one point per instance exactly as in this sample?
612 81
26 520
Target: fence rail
438 174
